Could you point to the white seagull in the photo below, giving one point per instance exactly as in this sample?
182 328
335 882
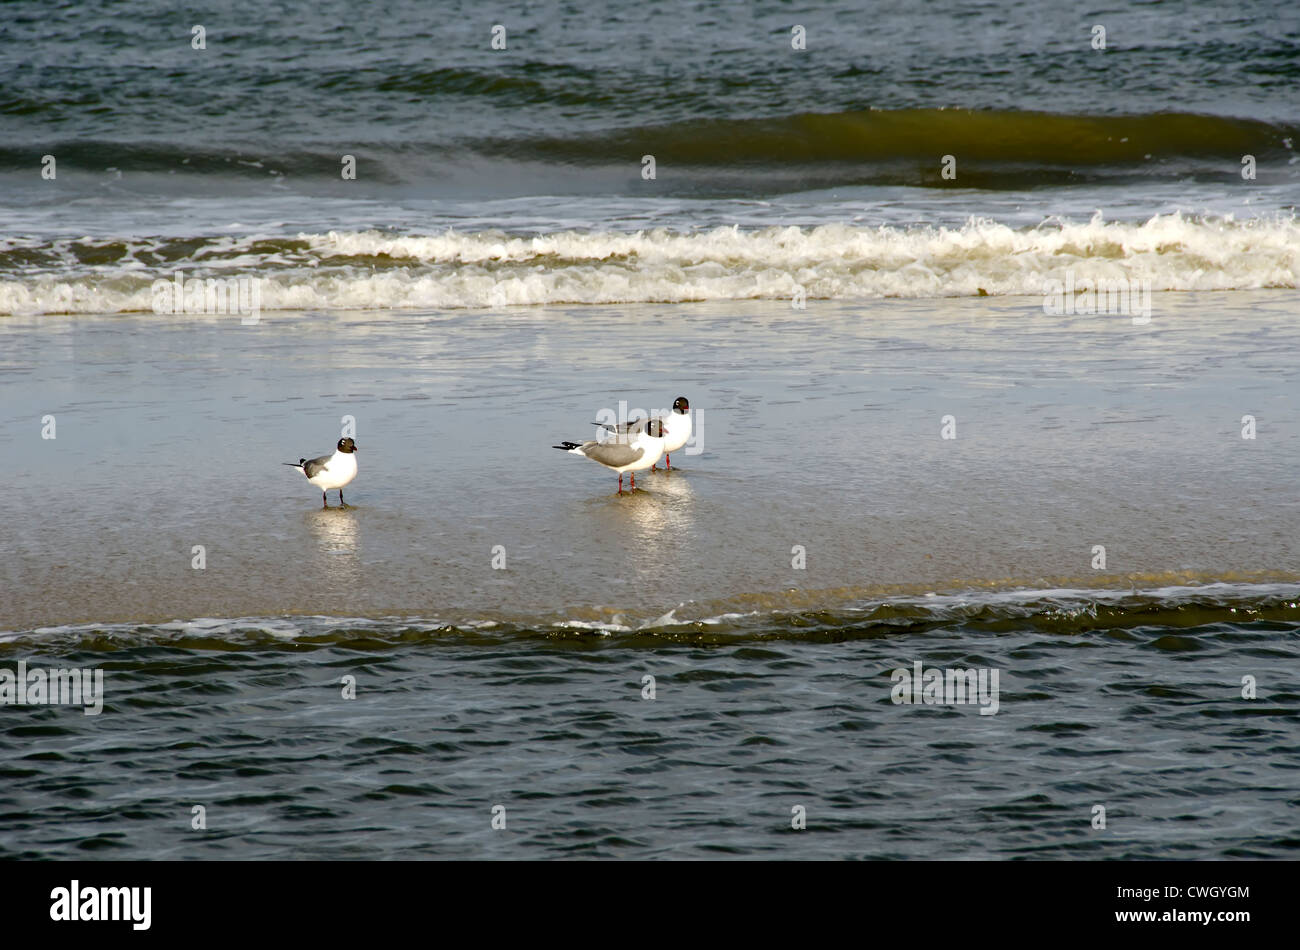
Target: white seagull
331 471
680 425
634 451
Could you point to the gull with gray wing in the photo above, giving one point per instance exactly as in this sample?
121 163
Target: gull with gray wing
331 472
681 428
634 451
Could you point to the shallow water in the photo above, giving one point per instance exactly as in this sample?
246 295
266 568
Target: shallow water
822 429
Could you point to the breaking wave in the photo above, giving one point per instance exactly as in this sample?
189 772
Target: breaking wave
365 270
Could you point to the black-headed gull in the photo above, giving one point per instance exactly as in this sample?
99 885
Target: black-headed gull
331 471
680 428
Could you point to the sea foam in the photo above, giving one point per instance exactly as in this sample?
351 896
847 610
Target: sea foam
365 270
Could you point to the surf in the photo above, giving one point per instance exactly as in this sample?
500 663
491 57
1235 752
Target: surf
454 270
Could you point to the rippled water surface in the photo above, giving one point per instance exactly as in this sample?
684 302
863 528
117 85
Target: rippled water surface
1143 718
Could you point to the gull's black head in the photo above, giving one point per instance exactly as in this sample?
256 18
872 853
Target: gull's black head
681 404
347 446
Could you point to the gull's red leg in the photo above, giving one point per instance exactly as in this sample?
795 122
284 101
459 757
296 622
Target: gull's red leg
620 483
668 460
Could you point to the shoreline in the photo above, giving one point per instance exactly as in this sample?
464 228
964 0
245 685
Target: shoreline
772 609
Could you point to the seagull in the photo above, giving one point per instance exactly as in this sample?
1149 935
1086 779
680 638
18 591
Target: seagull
634 451
681 428
331 471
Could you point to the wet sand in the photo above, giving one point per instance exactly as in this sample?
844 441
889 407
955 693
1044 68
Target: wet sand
819 428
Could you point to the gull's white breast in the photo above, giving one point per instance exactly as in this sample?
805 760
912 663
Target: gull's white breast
679 431
654 451
338 471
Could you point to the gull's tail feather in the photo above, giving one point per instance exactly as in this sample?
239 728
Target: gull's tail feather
567 446
298 464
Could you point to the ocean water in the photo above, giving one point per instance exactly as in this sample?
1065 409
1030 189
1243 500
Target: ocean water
496 177
907 450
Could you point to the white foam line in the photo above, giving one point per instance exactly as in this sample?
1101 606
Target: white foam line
489 269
